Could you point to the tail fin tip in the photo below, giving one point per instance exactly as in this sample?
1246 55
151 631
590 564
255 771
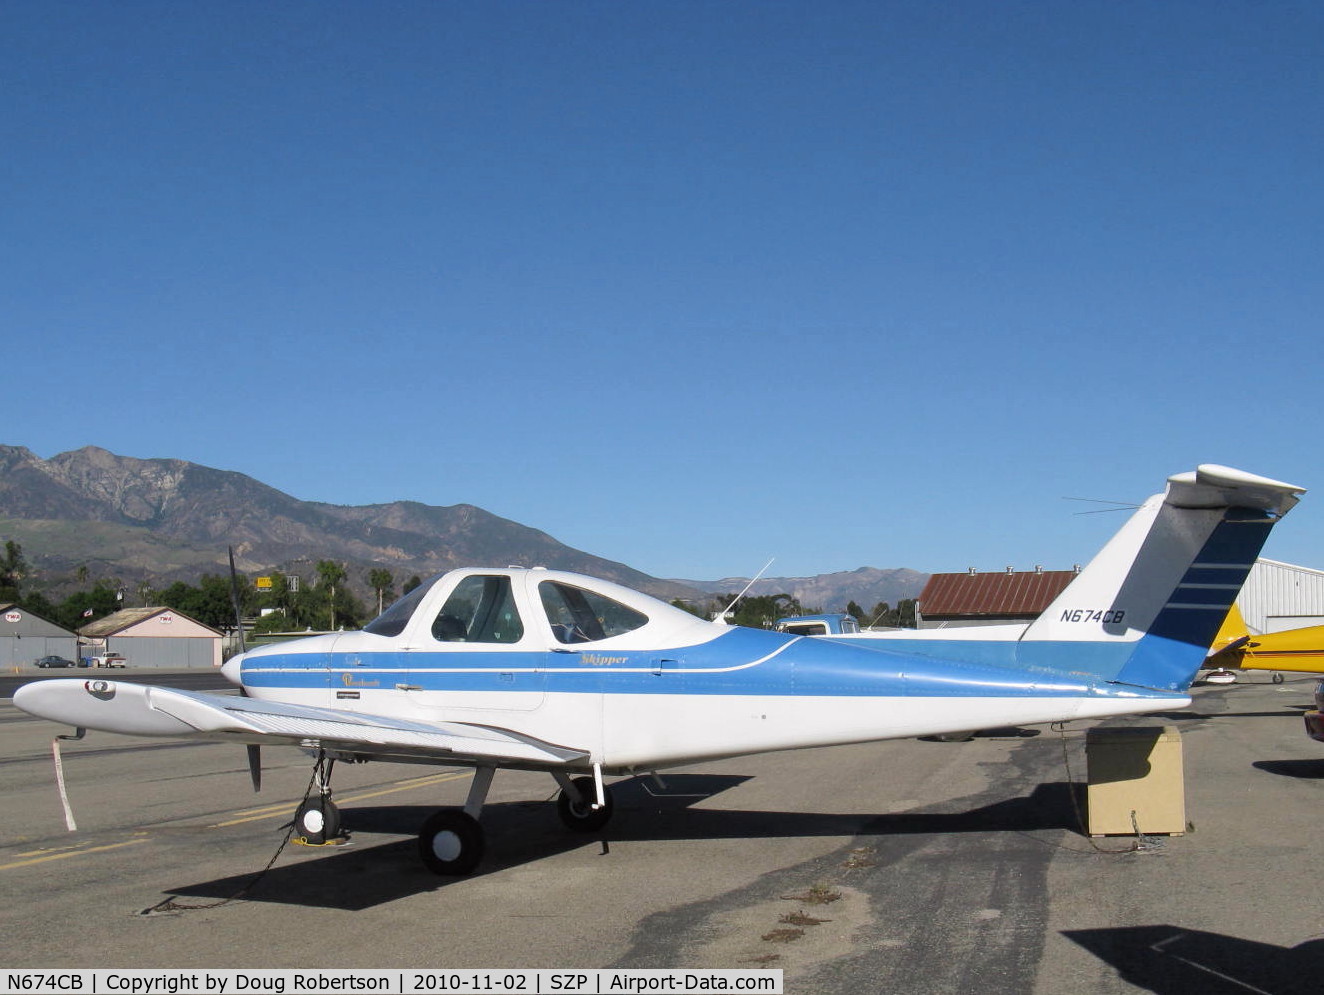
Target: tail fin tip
1212 485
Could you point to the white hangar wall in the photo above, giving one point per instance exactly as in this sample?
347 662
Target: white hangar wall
1279 596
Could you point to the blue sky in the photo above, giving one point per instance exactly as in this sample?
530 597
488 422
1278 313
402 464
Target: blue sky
686 285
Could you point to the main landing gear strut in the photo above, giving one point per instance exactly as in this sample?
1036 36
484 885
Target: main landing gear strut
451 842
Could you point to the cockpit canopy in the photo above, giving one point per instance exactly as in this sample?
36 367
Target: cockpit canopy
503 606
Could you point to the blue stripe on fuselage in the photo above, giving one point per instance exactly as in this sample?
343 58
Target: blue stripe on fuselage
738 662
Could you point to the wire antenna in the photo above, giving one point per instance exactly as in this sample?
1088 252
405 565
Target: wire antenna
732 605
1117 505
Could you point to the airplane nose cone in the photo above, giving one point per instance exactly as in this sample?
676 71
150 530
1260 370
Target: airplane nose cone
231 668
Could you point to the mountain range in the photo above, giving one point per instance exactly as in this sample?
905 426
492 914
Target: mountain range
161 520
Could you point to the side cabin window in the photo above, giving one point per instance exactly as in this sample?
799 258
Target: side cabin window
580 616
480 610
806 628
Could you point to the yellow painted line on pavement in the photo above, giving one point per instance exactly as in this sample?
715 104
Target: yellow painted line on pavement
417 782
284 810
52 849
30 857
68 852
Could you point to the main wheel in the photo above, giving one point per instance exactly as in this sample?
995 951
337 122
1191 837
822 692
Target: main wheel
450 842
317 821
1277 678
582 816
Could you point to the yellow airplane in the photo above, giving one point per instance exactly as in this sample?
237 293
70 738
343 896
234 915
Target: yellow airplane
1235 648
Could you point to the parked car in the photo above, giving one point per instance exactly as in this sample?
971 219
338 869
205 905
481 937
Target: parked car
55 661
109 660
1315 718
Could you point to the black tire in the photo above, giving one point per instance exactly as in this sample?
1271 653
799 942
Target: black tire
584 818
450 842
1277 678
317 821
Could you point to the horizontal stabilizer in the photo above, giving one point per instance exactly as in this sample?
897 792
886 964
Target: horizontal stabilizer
1214 486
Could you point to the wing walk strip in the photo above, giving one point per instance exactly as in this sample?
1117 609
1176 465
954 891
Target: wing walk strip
285 808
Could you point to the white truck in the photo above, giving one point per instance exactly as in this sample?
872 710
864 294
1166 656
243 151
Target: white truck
109 660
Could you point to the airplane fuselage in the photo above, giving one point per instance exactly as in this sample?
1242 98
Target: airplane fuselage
737 692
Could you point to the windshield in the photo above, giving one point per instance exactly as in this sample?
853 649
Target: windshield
392 622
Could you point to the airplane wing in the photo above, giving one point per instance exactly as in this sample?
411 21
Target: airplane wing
146 710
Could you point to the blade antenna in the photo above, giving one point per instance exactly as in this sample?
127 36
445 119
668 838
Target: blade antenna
732 605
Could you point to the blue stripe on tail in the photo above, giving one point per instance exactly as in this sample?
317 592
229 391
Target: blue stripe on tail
1169 655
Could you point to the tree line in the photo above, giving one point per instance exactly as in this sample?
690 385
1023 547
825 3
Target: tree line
761 611
290 604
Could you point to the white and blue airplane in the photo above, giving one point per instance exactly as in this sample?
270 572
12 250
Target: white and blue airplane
545 670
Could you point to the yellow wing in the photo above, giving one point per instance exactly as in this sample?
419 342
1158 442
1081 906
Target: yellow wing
1235 648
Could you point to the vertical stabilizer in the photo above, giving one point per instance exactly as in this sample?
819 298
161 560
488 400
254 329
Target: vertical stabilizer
1162 586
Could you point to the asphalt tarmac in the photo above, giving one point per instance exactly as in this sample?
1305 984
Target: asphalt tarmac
907 866
195 679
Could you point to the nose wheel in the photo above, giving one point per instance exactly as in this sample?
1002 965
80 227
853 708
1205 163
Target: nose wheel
317 821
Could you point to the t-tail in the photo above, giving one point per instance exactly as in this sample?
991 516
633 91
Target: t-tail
1148 606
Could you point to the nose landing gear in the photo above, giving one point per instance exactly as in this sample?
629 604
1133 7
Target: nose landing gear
451 842
317 819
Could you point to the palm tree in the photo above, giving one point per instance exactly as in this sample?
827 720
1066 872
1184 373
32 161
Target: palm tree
331 574
380 580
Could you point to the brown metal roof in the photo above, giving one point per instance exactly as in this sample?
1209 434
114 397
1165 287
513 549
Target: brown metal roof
1007 594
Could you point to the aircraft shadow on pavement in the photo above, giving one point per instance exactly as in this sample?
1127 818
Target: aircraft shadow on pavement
1169 960
1306 769
365 874
1188 715
362 875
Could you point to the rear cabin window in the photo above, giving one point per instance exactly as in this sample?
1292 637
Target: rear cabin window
480 610
580 616
807 629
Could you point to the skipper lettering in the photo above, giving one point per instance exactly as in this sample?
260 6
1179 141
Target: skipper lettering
598 660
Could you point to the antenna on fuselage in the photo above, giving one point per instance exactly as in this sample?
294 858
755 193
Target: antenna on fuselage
731 607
